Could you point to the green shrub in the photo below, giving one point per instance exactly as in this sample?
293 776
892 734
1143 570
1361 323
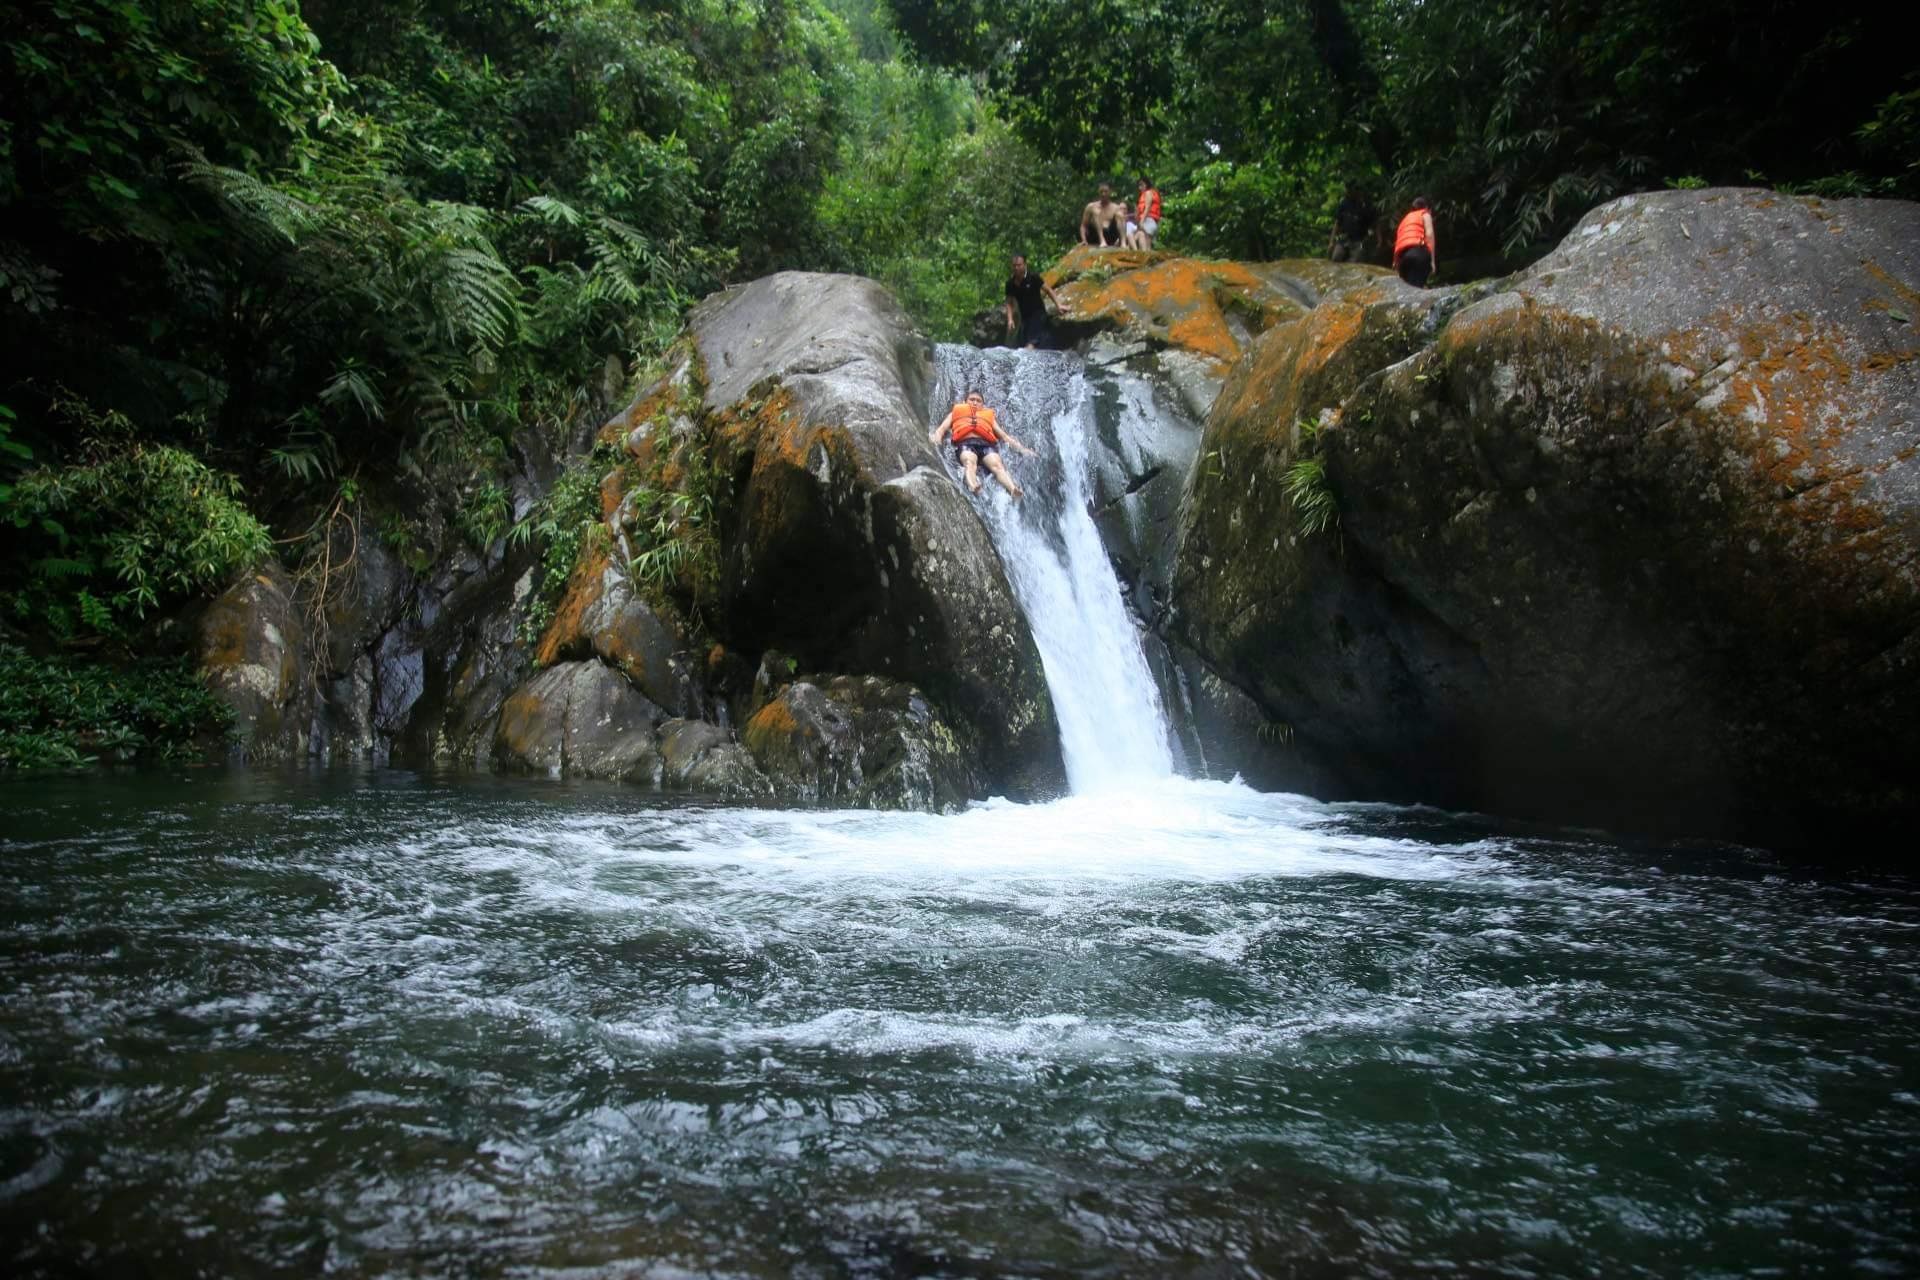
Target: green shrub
64 712
126 529
1257 209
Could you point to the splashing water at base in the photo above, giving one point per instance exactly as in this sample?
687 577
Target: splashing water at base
393 1025
1113 733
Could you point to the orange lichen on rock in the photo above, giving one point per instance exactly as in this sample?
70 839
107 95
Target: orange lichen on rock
1303 366
1791 376
1175 300
769 726
613 488
654 404
566 631
1901 291
749 425
1082 259
1326 331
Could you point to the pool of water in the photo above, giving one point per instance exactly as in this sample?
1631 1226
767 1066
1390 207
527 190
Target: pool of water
383 1023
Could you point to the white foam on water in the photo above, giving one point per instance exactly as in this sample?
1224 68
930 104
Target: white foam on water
1168 829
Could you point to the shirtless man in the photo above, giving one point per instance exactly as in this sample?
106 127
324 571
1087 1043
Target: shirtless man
977 436
1106 219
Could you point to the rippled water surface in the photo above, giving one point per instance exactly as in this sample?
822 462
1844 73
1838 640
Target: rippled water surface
381 1024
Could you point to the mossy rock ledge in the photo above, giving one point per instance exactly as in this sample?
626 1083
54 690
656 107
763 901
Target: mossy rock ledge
1631 538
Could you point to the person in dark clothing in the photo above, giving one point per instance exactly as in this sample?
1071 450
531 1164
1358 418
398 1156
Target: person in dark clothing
1026 294
1353 223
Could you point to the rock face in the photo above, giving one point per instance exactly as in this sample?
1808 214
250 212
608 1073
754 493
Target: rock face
845 547
1194 318
250 646
861 742
1629 538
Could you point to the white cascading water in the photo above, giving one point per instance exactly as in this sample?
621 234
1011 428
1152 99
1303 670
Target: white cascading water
1113 731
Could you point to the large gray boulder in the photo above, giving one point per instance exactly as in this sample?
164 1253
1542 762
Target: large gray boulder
846 547
1630 538
582 719
860 741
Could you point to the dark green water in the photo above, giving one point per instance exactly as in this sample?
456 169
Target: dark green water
380 1024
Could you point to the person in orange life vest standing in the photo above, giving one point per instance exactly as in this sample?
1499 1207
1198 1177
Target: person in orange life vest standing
977 436
1026 296
1146 212
1415 253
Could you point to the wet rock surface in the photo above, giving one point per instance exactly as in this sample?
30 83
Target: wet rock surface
250 645
861 742
582 719
696 755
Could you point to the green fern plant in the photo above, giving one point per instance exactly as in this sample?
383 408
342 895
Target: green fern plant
420 286
1311 495
562 526
1314 503
672 538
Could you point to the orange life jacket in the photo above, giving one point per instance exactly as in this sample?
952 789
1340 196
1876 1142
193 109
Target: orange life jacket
971 422
1148 206
1413 231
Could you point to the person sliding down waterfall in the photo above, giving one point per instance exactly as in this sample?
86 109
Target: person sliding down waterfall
977 436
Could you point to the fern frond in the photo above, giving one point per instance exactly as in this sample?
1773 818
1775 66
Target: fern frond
552 212
350 383
62 567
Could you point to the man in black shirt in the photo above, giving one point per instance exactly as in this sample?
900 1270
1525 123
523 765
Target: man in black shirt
1352 226
1025 292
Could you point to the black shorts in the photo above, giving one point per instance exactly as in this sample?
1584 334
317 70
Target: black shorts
980 447
1036 330
1416 264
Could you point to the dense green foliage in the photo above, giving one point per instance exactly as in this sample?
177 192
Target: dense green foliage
270 272
58 712
934 193
1515 117
127 527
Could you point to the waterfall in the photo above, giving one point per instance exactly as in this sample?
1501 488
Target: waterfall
1112 728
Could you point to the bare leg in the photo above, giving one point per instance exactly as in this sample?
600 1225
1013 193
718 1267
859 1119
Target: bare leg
969 462
999 470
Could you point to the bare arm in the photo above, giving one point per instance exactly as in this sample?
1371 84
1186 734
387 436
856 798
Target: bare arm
1433 246
1058 305
933 437
1086 216
1007 436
